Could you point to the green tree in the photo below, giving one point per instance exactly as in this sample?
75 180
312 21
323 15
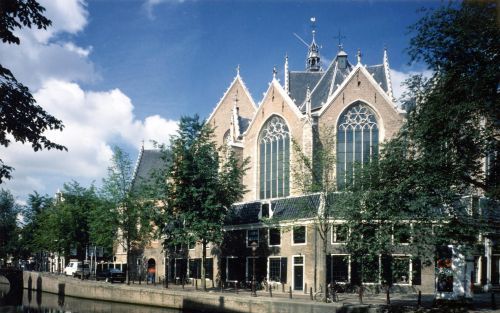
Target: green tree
425 174
455 123
32 213
65 226
201 185
21 117
127 217
8 224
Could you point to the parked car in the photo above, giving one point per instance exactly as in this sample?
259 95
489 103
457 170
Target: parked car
111 275
76 269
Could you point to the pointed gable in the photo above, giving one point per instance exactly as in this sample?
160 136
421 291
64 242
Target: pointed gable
360 85
235 109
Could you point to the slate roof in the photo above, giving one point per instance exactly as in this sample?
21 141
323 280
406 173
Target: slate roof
323 84
245 213
333 77
378 73
243 123
298 84
149 161
296 207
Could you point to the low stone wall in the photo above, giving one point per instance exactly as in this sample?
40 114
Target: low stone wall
206 302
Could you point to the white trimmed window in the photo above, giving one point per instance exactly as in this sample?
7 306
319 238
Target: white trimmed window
252 236
299 235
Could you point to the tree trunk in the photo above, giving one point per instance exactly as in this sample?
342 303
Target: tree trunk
324 242
203 259
127 271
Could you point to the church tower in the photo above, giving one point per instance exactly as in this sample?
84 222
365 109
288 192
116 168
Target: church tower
313 63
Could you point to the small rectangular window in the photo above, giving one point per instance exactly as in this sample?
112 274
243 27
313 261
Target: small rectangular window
274 236
252 236
340 233
402 233
299 234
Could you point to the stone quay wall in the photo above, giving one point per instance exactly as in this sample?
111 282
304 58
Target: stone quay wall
205 302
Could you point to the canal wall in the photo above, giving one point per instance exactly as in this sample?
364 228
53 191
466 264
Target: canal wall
192 301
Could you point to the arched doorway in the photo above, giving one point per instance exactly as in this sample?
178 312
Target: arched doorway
151 270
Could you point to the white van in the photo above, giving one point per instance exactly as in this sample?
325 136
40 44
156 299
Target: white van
75 268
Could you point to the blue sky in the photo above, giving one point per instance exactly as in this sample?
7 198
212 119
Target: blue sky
119 72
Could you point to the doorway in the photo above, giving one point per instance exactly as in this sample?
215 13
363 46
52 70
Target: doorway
298 273
151 270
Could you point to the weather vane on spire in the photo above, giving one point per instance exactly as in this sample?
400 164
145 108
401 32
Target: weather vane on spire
339 37
313 26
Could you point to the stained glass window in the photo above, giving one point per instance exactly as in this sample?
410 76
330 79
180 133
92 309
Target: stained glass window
274 159
357 141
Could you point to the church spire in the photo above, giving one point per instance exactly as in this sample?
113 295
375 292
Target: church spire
313 59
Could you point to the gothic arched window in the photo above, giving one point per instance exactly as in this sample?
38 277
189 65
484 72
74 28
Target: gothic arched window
357 140
274 159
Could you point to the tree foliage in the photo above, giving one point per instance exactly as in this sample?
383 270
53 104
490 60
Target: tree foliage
455 124
201 187
126 216
8 224
20 117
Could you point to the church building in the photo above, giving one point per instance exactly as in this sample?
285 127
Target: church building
356 101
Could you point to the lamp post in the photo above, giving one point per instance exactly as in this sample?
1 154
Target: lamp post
254 249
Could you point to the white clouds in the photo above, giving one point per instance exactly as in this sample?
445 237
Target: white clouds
68 16
398 77
150 4
93 120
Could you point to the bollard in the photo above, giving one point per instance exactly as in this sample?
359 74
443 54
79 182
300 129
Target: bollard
166 281
192 282
388 297
419 302
182 282
213 285
140 279
290 292
196 284
311 293
493 302
270 291
305 288
236 286
221 286
283 288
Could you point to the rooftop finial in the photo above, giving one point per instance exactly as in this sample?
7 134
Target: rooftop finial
313 27
275 72
340 37
359 56
238 70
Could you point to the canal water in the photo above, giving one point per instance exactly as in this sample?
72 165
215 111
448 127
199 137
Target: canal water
42 302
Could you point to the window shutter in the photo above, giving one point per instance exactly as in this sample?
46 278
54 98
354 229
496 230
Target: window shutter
417 271
283 270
